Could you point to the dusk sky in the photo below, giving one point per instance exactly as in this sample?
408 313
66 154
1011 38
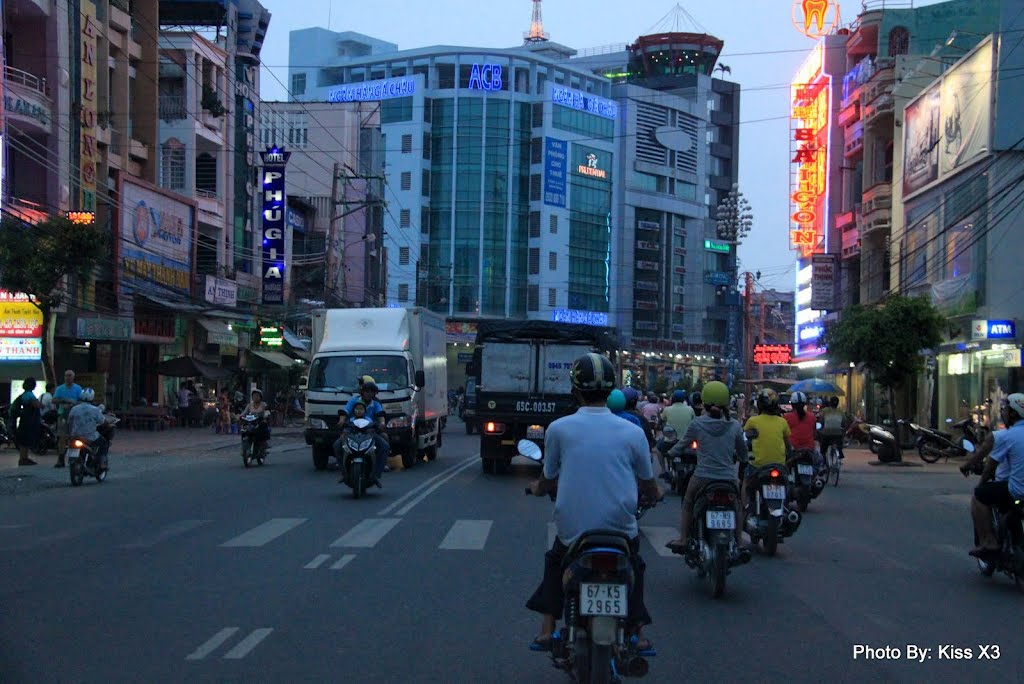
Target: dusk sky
762 48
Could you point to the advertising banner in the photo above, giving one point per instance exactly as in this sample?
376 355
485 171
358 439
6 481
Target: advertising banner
591 162
88 105
921 141
20 319
460 332
966 110
555 161
274 161
221 291
157 236
823 277
20 349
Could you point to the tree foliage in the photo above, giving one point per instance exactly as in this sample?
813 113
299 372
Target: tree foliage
35 259
887 339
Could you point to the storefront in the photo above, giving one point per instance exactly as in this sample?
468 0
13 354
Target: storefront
461 339
21 329
974 377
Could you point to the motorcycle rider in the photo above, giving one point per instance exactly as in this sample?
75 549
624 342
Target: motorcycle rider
596 488
769 434
720 445
258 407
678 414
802 428
632 398
617 404
696 403
83 419
833 426
375 414
1009 449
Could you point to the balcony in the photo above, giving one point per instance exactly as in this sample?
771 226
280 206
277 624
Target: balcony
854 140
879 111
877 215
26 101
172 108
851 243
847 220
850 113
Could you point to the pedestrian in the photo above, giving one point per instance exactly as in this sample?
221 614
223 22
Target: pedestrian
64 398
223 413
26 411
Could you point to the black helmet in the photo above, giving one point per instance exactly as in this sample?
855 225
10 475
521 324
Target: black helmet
593 372
369 387
695 399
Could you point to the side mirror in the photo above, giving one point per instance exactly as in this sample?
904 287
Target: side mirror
817 425
949 420
529 449
968 447
304 382
420 379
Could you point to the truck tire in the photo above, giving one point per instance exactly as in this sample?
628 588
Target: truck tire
410 455
469 428
488 466
321 457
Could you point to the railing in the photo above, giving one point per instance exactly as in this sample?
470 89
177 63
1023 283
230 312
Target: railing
602 49
207 194
14 75
872 5
172 108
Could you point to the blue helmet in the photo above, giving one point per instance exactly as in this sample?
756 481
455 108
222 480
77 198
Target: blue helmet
678 396
632 397
616 400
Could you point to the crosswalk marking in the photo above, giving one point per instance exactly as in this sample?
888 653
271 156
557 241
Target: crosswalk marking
343 561
659 536
246 645
366 534
317 562
172 530
212 644
467 535
267 532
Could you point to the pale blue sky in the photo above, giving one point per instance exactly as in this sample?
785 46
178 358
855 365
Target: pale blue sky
761 47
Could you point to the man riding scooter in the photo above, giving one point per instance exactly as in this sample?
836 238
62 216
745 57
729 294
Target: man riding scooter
374 414
83 419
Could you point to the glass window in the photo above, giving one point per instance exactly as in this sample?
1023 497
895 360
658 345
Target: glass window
584 123
959 250
396 110
686 191
298 84
445 76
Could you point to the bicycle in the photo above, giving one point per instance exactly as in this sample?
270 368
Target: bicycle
834 464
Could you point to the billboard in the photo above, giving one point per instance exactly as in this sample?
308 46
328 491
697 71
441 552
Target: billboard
555 163
823 279
157 239
274 162
921 141
811 128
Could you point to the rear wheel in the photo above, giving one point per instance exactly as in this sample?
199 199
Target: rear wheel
77 472
600 664
719 569
410 455
488 466
581 656
431 452
928 453
321 457
469 428
246 453
771 537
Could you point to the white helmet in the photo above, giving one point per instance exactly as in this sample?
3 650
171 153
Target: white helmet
1015 402
88 394
798 398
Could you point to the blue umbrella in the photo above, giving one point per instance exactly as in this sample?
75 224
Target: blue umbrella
817 386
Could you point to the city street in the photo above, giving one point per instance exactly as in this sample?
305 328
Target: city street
206 571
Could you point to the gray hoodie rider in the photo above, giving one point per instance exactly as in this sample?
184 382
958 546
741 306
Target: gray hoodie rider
720 446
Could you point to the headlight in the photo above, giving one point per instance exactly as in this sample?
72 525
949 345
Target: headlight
318 423
399 422
360 443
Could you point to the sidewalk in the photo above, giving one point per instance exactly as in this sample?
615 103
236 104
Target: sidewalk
860 460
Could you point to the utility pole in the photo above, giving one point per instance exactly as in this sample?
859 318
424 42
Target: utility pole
749 346
760 368
332 252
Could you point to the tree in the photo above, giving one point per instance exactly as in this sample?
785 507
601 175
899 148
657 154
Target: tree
35 260
887 339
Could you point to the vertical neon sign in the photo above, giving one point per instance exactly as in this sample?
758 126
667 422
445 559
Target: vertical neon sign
274 161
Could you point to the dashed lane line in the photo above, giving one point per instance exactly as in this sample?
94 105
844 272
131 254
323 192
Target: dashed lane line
267 532
212 644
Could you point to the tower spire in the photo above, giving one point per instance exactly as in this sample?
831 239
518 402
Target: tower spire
536 33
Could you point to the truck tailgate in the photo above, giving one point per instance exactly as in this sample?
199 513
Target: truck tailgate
507 367
555 363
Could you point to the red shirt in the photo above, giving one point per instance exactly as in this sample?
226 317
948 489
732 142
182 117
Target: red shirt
802 436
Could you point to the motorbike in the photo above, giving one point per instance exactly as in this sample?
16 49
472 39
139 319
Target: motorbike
883 443
598 580
933 444
805 479
82 458
680 468
1009 559
768 521
47 436
359 456
855 433
713 550
253 430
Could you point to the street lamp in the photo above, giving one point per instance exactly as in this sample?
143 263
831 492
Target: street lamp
734 220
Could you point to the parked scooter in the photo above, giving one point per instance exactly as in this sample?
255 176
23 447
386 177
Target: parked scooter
883 443
359 456
82 457
768 521
254 432
47 434
933 444
598 580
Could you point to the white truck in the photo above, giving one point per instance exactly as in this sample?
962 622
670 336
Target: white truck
403 350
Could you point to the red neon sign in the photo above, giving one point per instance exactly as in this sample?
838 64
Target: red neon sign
811 120
772 354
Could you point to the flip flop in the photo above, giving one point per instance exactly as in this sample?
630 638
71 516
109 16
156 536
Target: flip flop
983 553
542 644
643 646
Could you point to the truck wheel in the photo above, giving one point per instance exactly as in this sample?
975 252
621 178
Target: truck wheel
502 466
469 428
321 457
431 451
488 466
410 456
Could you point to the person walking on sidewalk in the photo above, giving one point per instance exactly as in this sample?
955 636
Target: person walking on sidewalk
26 410
64 398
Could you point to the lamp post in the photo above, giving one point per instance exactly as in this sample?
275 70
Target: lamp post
733 223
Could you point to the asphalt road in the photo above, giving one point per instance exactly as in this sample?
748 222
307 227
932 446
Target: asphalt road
210 572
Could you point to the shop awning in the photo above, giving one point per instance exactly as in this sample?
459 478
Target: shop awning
276 358
217 332
295 341
174 306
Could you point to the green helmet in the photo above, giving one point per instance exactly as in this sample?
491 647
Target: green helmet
616 400
715 393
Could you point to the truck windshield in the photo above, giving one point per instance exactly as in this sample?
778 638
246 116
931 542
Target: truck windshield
342 373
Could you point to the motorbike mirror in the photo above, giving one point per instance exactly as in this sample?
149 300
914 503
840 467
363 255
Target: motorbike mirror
817 425
968 446
949 420
529 449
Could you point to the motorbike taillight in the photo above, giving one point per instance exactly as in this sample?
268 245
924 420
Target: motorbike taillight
603 562
721 497
693 445
774 472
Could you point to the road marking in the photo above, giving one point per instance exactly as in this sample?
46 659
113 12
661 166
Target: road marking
268 531
658 537
960 551
432 488
416 490
12 527
552 534
317 562
212 644
174 529
250 642
366 534
958 500
467 535
343 561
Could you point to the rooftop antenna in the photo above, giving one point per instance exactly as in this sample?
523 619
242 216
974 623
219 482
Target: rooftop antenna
678 20
536 33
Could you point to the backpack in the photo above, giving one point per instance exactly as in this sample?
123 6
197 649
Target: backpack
16 408
833 423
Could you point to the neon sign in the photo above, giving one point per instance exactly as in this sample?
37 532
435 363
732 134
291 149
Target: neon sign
815 18
485 77
386 89
274 161
584 102
772 354
811 128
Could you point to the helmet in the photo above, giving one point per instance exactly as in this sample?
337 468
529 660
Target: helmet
678 395
257 391
366 379
695 399
669 433
592 372
616 400
767 397
369 387
716 394
1015 403
88 394
798 398
632 397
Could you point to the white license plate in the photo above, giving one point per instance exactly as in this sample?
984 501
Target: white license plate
535 432
804 469
603 599
71 454
721 520
773 491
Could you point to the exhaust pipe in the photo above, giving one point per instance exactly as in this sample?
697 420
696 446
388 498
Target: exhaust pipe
793 517
635 667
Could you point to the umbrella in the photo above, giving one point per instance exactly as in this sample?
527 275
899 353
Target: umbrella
817 386
188 367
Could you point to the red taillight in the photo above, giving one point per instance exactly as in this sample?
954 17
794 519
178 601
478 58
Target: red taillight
78 444
604 562
774 473
494 428
693 445
721 497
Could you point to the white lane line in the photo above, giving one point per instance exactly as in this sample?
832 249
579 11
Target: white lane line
172 530
552 533
343 561
248 643
366 534
416 490
434 487
317 562
959 551
12 527
268 531
659 536
213 644
467 535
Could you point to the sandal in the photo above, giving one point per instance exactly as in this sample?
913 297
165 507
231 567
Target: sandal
541 643
643 645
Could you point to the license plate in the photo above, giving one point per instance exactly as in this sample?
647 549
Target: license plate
71 453
805 469
535 432
603 599
721 520
773 491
